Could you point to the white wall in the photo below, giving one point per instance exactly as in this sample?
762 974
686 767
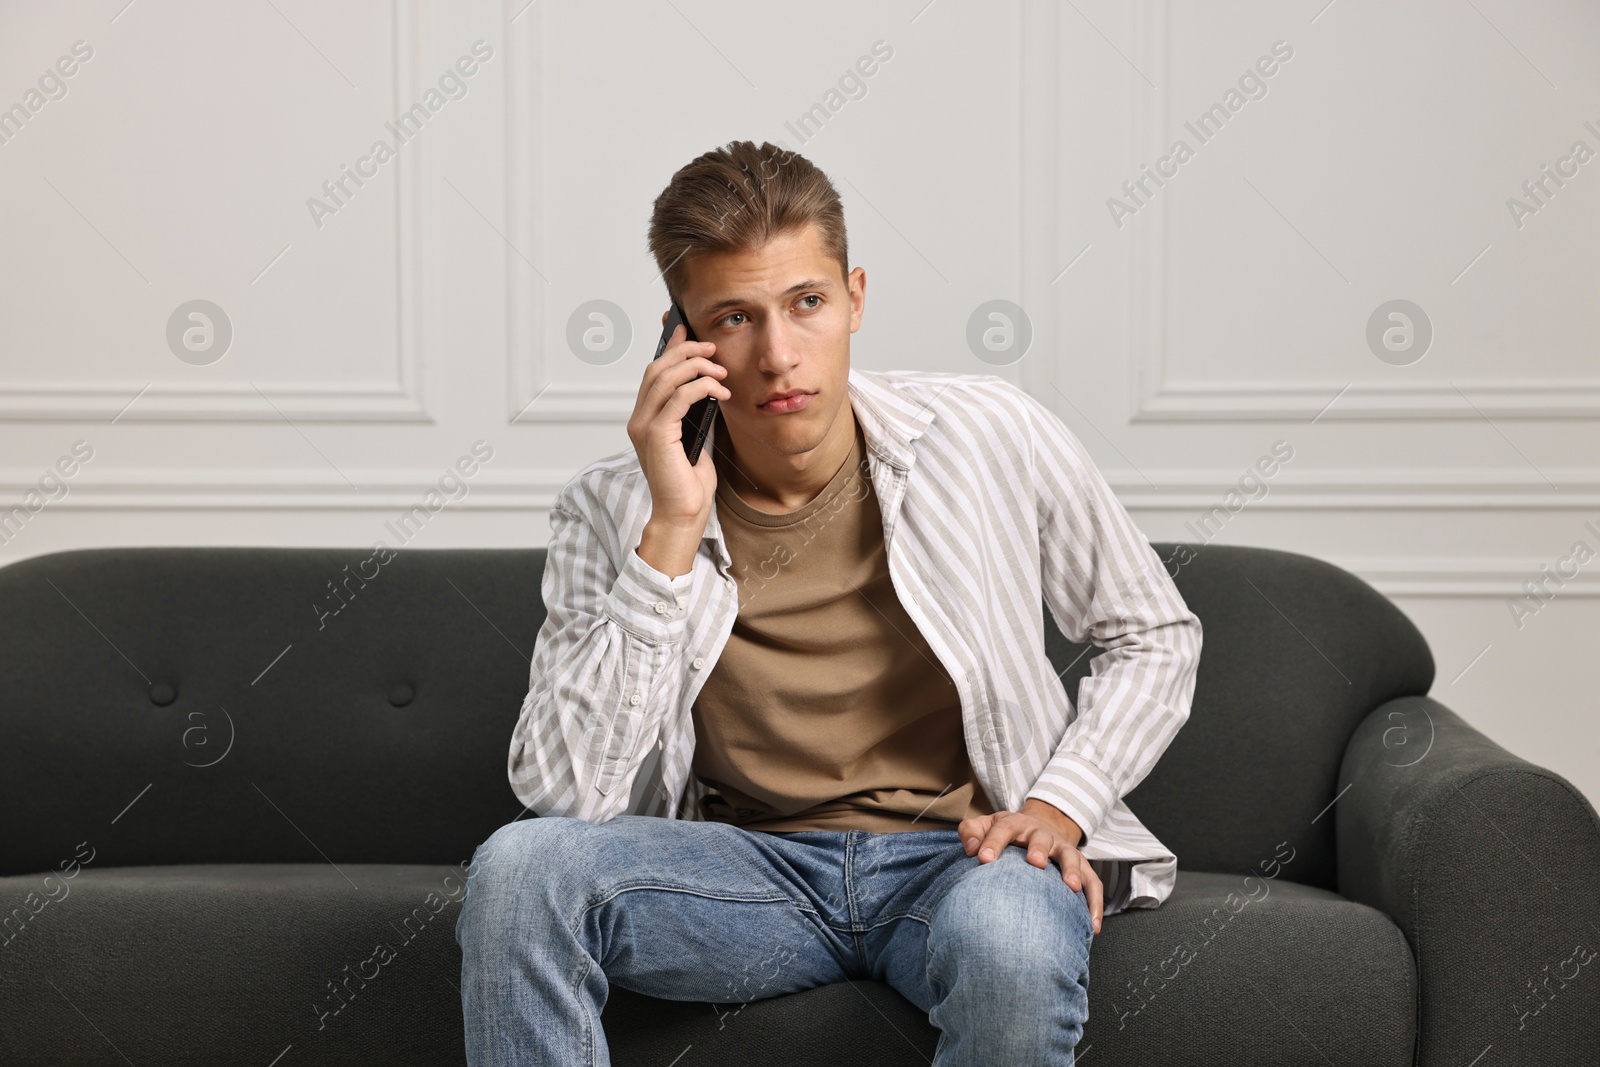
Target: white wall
1225 313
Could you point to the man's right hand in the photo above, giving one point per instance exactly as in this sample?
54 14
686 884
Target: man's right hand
680 494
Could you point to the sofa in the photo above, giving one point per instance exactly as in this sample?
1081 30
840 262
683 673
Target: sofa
241 785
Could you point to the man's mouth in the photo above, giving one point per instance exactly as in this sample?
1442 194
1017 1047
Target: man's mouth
787 401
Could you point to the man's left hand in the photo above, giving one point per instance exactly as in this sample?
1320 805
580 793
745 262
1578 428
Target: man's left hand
1046 834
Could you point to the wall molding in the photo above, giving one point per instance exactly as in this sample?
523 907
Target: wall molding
1361 401
1155 398
238 402
1189 492
525 287
575 402
235 403
1358 489
1038 225
1488 579
386 494
286 488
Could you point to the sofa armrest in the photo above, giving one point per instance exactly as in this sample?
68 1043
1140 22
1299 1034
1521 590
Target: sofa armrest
1490 865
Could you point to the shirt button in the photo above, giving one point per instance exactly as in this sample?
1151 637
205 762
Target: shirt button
699 661
661 607
634 699
682 601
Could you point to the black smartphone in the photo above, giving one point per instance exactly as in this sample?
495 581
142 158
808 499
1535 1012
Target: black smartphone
697 423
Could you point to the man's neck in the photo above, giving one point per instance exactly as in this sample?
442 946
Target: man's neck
779 484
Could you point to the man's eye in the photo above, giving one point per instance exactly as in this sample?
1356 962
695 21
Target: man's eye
812 296
725 320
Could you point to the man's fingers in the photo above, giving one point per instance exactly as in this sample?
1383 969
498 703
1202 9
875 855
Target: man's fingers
972 831
1097 899
1044 844
999 836
1075 868
988 835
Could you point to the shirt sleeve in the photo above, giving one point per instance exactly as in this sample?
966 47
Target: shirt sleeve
600 674
1105 585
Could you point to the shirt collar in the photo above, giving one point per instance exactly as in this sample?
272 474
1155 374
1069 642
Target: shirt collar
890 423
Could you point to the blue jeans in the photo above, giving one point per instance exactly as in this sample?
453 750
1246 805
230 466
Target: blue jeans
558 909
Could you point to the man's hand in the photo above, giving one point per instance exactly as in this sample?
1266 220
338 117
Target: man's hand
1047 833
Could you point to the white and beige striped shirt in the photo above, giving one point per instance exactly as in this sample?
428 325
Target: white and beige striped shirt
990 506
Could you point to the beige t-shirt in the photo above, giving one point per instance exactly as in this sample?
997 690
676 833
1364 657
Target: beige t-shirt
827 710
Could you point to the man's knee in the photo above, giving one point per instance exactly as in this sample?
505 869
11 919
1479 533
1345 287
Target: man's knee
1008 961
1013 922
517 843
528 862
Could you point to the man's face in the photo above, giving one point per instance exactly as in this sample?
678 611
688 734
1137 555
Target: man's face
781 317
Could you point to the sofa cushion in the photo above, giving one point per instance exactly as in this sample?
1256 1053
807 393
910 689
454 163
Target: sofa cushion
234 963
203 964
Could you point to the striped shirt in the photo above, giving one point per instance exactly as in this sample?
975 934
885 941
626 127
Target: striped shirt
990 507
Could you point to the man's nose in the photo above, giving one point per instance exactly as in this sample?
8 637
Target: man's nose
775 349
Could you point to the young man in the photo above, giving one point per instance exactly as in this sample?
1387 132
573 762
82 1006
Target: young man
830 630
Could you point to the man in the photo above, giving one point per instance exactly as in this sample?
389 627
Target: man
829 631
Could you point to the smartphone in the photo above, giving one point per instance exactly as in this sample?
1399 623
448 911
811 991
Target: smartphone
697 423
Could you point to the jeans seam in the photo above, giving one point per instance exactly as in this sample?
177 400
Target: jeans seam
739 861
589 1021
612 892
886 920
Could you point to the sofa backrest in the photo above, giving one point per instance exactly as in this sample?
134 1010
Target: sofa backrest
369 725
1296 652
194 705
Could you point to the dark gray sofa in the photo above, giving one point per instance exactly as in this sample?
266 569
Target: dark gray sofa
255 810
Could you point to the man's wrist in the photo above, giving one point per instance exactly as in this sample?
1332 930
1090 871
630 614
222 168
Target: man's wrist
647 603
1054 816
670 548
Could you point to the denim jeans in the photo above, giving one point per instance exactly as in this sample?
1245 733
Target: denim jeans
558 909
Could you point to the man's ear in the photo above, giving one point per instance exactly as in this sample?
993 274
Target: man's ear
857 285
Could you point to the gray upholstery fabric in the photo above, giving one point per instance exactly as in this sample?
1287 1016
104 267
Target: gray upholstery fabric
87 636
1491 867
1296 653
1405 900
231 963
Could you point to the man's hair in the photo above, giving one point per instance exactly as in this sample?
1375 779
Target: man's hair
735 199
